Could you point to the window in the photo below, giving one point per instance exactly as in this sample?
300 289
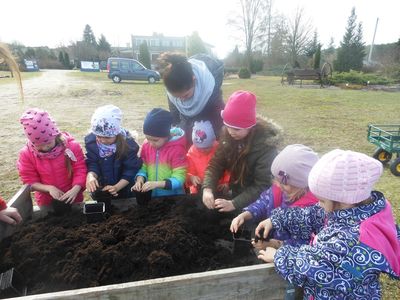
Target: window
124 65
136 66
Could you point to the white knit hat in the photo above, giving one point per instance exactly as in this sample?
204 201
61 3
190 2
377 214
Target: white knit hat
344 176
106 121
203 135
293 164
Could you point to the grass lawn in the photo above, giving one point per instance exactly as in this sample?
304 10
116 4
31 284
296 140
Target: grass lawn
323 119
25 76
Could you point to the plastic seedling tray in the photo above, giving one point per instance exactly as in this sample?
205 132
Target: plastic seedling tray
94 211
12 284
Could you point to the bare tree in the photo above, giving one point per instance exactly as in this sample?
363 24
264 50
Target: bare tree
252 22
300 32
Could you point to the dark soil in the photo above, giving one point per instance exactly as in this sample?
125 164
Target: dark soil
167 237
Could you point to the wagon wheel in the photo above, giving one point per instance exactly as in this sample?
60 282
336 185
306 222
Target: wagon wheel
326 73
284 75
395 167
383 156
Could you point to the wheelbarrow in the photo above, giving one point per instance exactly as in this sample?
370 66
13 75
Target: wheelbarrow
387 140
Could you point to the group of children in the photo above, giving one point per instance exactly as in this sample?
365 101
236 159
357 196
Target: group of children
331 233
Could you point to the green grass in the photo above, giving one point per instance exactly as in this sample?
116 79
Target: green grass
323 119
24 75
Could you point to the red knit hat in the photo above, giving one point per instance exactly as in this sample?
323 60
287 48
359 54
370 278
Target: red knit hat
240 110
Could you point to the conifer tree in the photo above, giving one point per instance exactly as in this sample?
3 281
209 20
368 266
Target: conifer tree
144 55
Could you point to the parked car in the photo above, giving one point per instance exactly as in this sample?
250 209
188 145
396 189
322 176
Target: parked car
130 69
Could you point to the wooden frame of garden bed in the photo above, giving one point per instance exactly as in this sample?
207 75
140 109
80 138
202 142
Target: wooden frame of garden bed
250 282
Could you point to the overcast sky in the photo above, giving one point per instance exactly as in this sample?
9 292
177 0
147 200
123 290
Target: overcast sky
56 22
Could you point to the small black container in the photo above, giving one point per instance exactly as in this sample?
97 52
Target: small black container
103 196
143 198
60 208
242 241
94 211
12 284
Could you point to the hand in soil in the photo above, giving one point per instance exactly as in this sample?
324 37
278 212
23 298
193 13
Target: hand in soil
55 192
10 215
69 196
111 189
224 205
138 184
266 227
267 255
208 198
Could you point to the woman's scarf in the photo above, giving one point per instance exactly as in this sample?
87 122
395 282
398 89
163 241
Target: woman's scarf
204 87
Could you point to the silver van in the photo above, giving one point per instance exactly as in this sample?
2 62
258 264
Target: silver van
130 69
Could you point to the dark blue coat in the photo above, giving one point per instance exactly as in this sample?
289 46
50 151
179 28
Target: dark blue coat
109 169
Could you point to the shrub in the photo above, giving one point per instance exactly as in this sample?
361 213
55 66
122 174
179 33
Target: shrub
355 77
244 73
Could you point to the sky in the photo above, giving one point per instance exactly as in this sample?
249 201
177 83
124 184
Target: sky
53 23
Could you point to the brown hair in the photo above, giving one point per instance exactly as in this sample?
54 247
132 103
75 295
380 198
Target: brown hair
237 157
7 57
122 147
60 140
177 72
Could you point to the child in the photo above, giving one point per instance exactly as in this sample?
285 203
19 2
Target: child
111 154
164 156
199 155
246 149
356 237
51 162
290 169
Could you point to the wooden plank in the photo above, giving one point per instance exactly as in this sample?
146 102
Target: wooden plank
23 202
250 282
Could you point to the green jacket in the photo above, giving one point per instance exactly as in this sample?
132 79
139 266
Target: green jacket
258 178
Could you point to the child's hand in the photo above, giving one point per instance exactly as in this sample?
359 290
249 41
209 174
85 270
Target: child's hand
224 205
208 198
138 184
267 255
69 196
260 244
55 192
195 180
151 185
92 184
112 189
237 222
223 188
10 215
265 225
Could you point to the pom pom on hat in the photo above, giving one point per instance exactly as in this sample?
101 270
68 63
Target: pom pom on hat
203 135
39 127
344 176
293 164
157 123
106 121
240 110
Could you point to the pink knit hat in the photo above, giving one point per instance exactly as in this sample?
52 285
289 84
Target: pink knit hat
39 127
344 176
240 110
293 164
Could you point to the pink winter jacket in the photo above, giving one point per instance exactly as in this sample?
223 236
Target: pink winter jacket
33 169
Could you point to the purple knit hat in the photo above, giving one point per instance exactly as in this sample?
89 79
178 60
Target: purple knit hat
39 127
293 164
344 176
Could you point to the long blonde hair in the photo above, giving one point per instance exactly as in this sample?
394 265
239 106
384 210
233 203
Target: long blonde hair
7 57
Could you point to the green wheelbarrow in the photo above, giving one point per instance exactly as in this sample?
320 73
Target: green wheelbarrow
387 140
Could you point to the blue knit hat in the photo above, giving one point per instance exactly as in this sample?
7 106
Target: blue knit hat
157 123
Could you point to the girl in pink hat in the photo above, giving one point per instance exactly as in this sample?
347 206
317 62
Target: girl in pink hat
246 149
52 162
355 235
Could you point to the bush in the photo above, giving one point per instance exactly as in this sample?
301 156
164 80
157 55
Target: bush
355 77
244 73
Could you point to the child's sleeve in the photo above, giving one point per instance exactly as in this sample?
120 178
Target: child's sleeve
262 207
3 204
79 169
300 223
27 170
191 167
178 165
143 156
92 159
215 169
131 164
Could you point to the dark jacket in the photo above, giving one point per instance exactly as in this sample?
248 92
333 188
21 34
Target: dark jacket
109 169
212 110
258 178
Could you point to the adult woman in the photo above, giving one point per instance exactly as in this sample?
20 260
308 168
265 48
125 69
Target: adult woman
194 90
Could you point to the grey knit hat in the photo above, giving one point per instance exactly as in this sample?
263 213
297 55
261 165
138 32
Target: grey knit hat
293 164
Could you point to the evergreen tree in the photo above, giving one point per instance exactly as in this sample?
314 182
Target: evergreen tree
144 55
61 58
312 48
351 53
30 53
67 63
317 57
88 36
103 44
195 44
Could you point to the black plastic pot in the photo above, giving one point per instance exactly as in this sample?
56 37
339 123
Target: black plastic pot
60 208
143 198
95 212
102 196
12 284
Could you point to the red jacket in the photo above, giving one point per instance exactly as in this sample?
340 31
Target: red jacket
3 204
197 165
33 169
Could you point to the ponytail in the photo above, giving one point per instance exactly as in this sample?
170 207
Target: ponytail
7 57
